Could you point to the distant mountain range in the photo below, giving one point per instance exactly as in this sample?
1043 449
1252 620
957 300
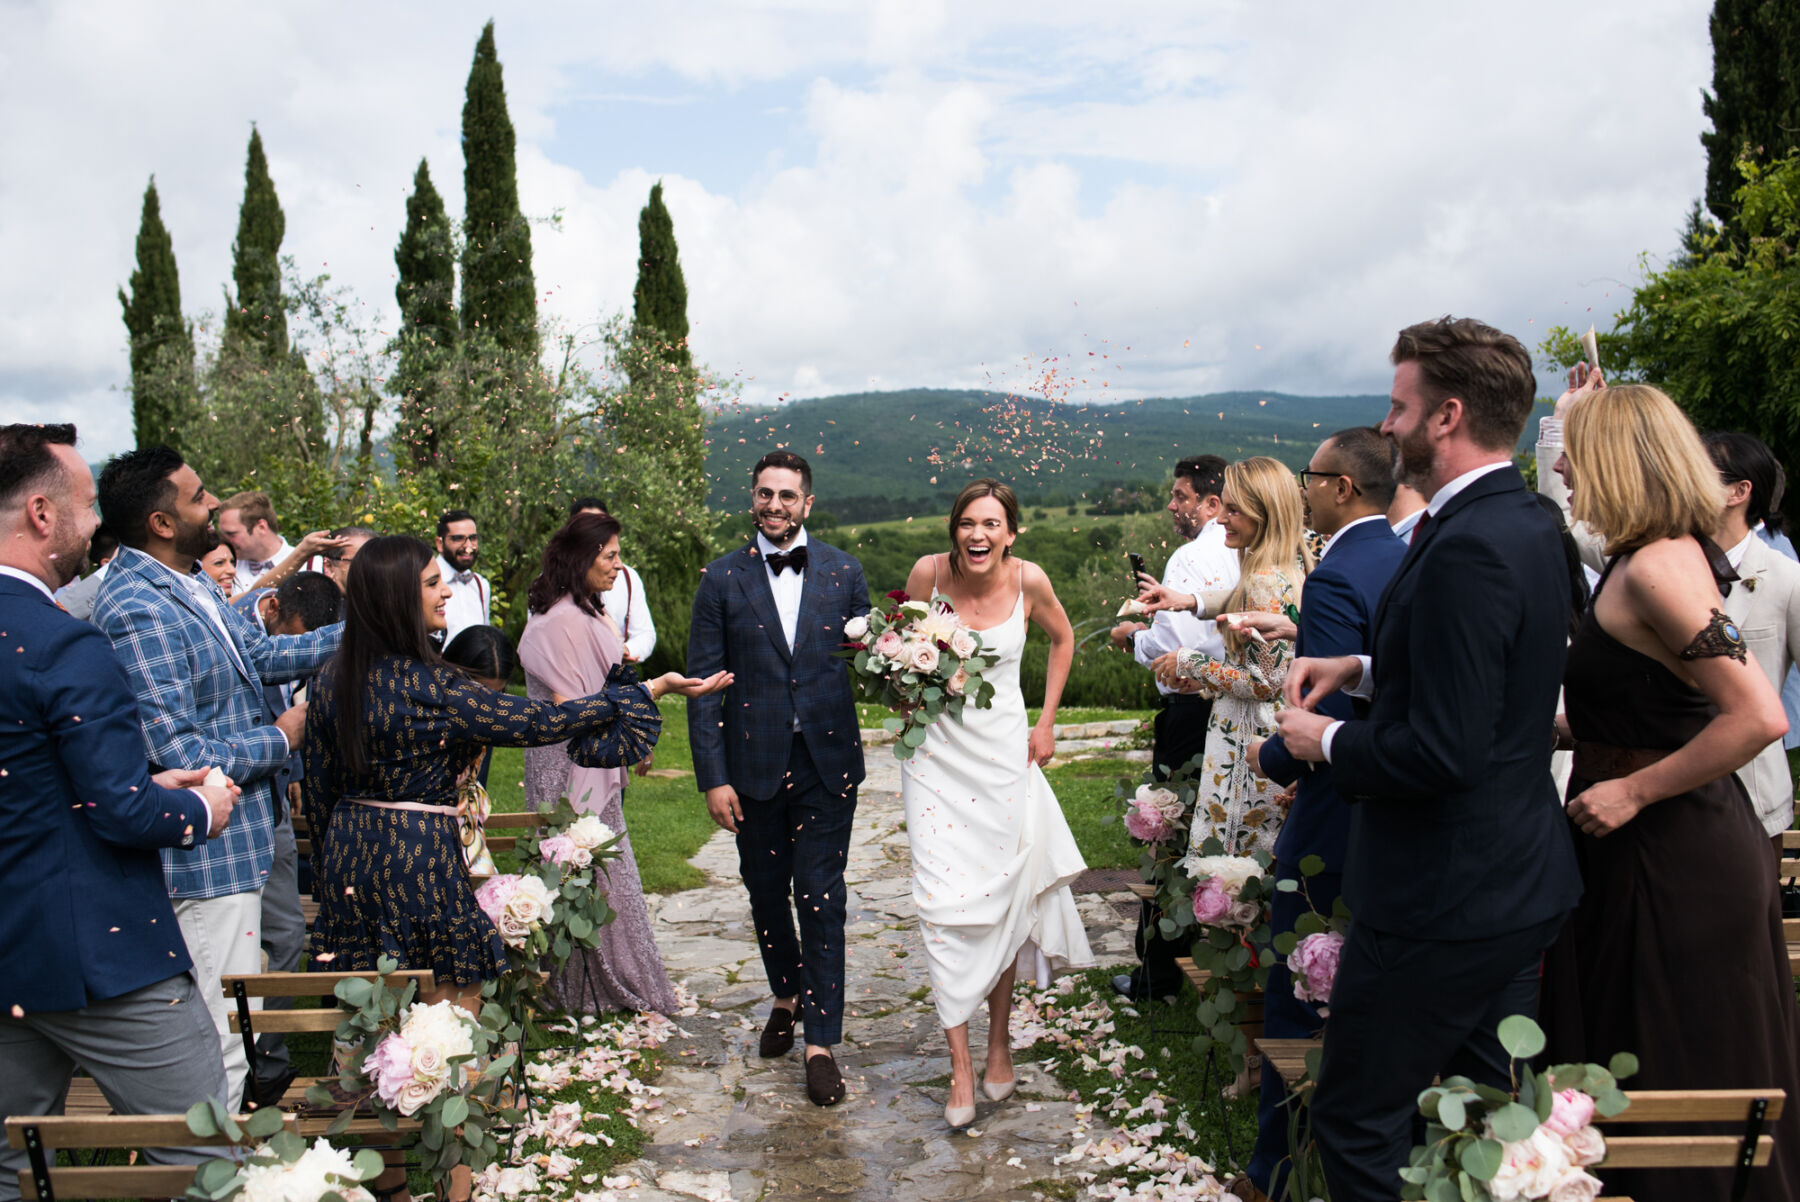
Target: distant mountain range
877 454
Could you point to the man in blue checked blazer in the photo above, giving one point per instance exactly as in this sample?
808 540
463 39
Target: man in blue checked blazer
778 753
93 969
198 667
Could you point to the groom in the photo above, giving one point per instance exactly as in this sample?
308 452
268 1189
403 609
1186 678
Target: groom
778 753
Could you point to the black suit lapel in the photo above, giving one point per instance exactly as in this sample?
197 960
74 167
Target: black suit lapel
753 578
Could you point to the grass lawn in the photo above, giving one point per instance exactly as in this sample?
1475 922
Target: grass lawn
665 816
1085 789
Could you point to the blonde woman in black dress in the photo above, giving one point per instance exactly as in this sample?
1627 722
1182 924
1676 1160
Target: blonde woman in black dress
1676 952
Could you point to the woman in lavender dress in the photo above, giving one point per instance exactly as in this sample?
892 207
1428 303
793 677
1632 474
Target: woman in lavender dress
569 646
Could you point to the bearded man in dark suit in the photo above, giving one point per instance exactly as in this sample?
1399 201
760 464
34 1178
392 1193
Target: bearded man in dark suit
1460 869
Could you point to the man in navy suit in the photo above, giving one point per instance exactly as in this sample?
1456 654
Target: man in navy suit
779 754
1460 868
93 970
1346 487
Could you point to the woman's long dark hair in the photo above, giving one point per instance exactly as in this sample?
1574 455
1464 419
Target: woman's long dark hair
382 616
569 554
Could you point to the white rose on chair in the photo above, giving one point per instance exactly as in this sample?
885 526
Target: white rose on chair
588 833
517 905
411 1066
320 1170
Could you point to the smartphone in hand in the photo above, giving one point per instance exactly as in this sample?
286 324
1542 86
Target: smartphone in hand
1137 567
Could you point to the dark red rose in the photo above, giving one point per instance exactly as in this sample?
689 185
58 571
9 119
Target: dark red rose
899 595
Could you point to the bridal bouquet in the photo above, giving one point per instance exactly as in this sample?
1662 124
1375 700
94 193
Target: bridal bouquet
1533 1142
280 1169
919 660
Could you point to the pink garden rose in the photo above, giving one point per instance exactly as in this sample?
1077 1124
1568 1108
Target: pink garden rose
559 849
956 684
495 893
1570 1111
1155 814
389 1066
890 645
1211 904
1314 965
962 644
1147 825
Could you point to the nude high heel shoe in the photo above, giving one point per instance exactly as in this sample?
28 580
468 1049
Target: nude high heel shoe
998 1093
959 1116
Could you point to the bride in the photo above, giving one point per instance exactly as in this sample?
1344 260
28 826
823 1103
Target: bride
992 855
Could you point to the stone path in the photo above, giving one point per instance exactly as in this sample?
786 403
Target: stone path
739 1127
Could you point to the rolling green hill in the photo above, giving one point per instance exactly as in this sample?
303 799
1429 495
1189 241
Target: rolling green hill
887 454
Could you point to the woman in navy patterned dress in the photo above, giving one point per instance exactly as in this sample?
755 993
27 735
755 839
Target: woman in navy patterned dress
390 729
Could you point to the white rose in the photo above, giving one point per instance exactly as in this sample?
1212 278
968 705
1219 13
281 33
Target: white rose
529 906
962 644
855 628
1587 1146
428 1063
417 1094
956 684
588 832
1230 871
1553 1163
1575 1186
440 1025
922 657
915 609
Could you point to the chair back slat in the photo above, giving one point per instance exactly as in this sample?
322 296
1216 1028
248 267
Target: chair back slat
1695 1106
1680 1151
112 1131
287 1022
319 984
112 1181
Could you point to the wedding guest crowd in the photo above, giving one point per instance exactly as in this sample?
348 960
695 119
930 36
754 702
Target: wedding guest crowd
1366 669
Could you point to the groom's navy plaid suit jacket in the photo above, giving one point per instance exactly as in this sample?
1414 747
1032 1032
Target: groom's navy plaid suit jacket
742 736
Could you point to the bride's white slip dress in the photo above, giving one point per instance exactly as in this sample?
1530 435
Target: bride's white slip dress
992 854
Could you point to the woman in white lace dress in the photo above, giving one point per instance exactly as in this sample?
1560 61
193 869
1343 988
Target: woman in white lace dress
1265 523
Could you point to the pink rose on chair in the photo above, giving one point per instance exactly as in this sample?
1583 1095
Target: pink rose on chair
1211 903
1314 965
495 893
1570 1111
559 849
390 1068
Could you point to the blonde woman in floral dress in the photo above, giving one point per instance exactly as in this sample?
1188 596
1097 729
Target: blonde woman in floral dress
1264 523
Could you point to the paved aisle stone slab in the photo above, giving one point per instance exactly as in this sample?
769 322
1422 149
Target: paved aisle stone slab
739 1127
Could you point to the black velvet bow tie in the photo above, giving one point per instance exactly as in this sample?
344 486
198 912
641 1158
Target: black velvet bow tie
795 559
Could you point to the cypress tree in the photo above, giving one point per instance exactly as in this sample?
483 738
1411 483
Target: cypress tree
256 317
1754 105
660 301
162 349
426 292
499 295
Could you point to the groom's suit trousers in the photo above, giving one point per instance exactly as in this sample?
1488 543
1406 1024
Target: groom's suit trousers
792 849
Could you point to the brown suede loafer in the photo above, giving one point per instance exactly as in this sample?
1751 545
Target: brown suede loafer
824 1084
778 1034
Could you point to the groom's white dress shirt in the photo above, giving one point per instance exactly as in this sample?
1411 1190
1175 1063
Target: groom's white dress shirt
787 587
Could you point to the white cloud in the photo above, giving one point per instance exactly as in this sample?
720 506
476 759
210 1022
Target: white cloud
978 187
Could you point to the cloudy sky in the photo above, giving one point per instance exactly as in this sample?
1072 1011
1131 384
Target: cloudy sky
886 194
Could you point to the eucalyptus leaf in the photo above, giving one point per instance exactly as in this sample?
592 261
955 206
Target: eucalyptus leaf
1612 1102
264 1122
1513 1122
1450 1112
455 1110
1623 1064
1481 1158
1521 1037
200 1119
1311 865
369 1164
341 1123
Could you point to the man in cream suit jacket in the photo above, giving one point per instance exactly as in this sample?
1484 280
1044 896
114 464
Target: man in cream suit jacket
1764 602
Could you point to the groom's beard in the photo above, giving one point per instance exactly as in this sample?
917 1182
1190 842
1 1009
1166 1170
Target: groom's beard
789 532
